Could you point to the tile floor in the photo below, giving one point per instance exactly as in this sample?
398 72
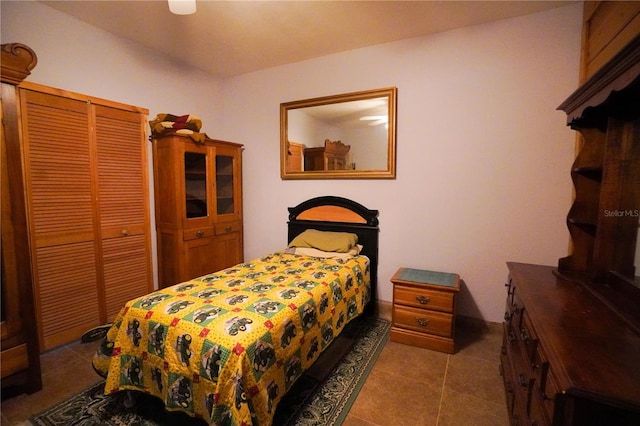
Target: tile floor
407 386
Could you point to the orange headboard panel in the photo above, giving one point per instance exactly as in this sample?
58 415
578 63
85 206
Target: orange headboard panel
331 214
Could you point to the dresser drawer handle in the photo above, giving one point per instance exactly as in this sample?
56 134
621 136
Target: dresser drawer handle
125 232
228 229
423 300
422 322
510 289
199 234
523 381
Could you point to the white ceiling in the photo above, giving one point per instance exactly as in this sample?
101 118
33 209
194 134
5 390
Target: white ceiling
228 38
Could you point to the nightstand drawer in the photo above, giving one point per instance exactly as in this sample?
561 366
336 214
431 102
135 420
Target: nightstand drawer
423 298
423 320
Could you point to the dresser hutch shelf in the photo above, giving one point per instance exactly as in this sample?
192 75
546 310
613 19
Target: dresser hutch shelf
571 346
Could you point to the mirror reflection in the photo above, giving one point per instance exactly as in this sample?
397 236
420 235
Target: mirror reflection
343 136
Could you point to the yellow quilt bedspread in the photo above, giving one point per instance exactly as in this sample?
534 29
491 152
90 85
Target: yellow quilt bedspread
227 346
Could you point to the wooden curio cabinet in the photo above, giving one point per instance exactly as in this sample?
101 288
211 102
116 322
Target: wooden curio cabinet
198 190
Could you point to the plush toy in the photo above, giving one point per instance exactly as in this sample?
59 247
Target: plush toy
179 124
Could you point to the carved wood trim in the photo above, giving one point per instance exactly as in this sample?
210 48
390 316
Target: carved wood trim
17 62
617 74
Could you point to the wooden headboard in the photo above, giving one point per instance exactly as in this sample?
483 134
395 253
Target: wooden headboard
339 214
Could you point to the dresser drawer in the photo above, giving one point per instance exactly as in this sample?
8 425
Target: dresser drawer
227 227
423 320
538 413
528 338
550 392
195 233
423 298
540 367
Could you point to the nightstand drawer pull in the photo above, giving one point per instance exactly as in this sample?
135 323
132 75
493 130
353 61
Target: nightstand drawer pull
423 300
422 322
199 234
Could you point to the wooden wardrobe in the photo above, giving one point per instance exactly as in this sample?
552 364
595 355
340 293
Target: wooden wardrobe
20 353
86 183
198 190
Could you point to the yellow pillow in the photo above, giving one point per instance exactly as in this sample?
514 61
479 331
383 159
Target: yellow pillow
313 252
340 242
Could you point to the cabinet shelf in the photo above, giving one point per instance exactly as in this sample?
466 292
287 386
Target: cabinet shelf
195 175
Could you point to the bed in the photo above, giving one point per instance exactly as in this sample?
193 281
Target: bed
227 346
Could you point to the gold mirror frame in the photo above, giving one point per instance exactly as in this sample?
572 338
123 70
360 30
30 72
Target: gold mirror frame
343 102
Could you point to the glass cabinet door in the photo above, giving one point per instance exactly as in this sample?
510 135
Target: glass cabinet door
225 201
195 180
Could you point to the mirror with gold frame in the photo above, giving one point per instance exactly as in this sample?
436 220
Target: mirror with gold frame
347 136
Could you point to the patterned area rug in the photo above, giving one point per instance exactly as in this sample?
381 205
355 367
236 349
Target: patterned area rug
322 396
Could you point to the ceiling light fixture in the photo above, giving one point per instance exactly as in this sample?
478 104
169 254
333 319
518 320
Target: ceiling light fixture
375 119
182 7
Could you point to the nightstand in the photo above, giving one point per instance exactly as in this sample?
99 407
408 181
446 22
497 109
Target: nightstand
424 308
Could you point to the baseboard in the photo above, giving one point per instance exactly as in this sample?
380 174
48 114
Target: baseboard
384 309
478 323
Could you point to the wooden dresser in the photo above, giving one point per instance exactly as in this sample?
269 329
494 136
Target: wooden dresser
198 190
424 308
331 156
567 358
571 350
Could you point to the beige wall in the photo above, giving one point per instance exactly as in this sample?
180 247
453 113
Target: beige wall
483 156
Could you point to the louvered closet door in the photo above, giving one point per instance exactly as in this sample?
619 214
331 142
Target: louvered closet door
123 206
61 215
